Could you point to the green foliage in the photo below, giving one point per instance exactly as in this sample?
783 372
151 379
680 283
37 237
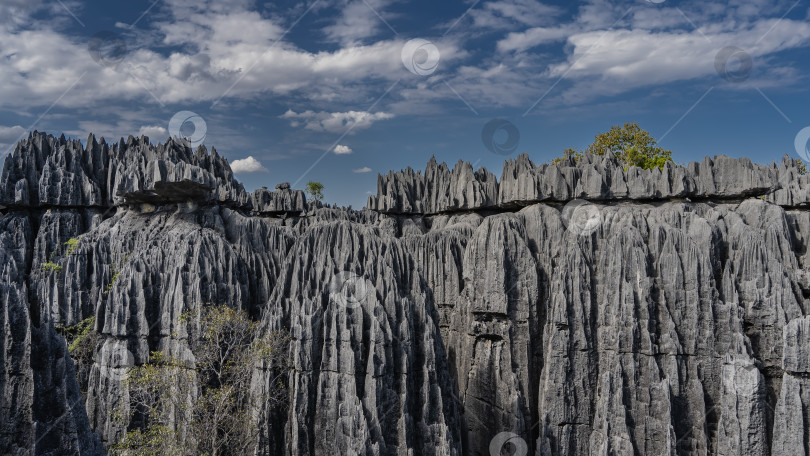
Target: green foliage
71 244
50 266
112 282
82 340
566 154
802 167
156 440
208 407
630 144
80 333
315 190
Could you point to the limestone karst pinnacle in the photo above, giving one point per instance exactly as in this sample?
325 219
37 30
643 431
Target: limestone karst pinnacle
671 319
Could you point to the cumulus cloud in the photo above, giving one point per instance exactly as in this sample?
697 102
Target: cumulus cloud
364 169
44 65
9 137
532 37
199 51
358 20
626 59
335 122
610 49
340 149
11 134
504 14
247 165
154 132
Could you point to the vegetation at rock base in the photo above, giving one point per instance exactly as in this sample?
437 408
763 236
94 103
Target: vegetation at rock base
207 406
630 144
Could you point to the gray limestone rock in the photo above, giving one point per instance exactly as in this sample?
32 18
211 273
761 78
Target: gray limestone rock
576 308
281 201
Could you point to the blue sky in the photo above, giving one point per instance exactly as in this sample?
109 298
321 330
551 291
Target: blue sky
337 90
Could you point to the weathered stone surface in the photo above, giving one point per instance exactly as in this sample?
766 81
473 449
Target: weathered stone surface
48 171
591 177
441 320
439 190
796 355
281 201
791 426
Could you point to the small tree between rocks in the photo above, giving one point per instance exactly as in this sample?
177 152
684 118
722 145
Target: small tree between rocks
208 408
315 190
630 144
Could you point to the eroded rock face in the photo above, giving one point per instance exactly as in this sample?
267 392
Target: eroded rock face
592 177
456 315
281 201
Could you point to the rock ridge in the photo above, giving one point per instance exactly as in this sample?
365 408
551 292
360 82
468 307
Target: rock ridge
592 177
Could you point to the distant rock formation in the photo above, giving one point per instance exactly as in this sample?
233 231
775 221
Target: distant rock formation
593 177
44 171
568 309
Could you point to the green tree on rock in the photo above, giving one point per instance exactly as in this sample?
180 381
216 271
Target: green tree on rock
630 144
209 405
315 190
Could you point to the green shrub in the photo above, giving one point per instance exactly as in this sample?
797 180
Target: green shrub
71 244
112 282
630 144
79 333
50 266
82 339
220 419
315 190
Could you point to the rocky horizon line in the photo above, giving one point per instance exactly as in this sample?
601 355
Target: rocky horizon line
437 189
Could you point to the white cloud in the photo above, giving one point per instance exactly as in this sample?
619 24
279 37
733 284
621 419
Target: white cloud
154 132
533 37
654 46
11 134
364 169
9 137
340 149
211 54
42 64
247 165
335 122
636 58
358 20
505 14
